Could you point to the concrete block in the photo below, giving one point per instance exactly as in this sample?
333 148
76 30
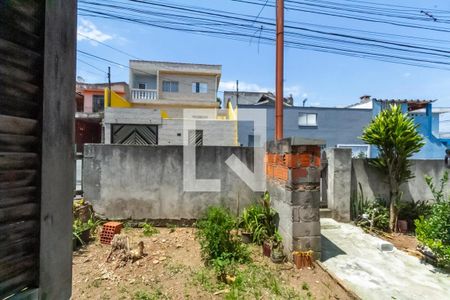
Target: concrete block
304 229
301 214
305 198
307 243
385 246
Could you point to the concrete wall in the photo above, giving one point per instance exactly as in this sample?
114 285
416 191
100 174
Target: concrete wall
146 182
374 183
215 132
149 80
334 125
344 174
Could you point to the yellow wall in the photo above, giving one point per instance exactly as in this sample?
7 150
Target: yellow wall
116 100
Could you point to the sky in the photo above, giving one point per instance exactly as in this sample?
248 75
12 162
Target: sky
326 80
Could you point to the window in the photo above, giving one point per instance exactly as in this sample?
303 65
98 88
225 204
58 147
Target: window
199 87
305 119
170 86
142 86
195 137
98 103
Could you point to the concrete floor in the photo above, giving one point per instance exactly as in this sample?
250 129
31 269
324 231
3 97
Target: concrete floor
353 257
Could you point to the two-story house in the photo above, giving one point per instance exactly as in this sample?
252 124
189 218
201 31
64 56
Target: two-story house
166 98
90 104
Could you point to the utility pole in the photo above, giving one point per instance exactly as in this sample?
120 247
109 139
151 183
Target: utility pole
237 92
109 87
279 71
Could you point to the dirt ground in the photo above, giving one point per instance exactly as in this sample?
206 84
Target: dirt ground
404 242
173 269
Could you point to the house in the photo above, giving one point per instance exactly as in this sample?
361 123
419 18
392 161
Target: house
90 104
342 127
339 127
427 118
250 98
165 98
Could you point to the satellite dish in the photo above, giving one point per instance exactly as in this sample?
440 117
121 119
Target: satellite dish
80 79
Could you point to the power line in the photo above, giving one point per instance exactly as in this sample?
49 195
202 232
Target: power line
109 46
238 29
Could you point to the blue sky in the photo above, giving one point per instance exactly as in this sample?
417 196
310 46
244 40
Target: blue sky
325 79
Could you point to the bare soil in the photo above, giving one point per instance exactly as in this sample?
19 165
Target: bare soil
173 269
405 242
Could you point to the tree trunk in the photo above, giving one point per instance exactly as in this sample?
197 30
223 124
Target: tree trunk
393 210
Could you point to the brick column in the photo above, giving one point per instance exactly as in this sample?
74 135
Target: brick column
293 181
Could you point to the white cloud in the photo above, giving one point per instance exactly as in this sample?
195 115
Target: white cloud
243 86
89 32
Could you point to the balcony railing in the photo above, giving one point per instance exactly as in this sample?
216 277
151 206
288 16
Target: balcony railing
143 95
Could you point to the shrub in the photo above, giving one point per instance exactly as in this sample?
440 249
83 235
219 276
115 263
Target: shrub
438 193
219 247
411 211
375 215
434 232
259 220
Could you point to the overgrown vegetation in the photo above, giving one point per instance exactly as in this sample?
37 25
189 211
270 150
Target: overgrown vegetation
258 219
396 137
252 281
219 247
148 229
433 230
375 215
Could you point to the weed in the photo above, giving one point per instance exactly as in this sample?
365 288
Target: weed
148 229
305 286
172 227
219 248
174 269
155 295
203 278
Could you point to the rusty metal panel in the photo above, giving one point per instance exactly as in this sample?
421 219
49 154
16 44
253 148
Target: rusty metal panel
21 67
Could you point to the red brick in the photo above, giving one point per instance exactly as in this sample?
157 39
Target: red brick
298 173
281 172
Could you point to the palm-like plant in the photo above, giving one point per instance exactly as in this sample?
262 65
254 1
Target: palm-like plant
396 137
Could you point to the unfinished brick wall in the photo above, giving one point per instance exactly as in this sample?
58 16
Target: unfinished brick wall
293 181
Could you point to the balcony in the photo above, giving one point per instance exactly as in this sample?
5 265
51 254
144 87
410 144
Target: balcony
141 95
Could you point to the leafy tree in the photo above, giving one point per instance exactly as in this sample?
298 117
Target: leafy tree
396 137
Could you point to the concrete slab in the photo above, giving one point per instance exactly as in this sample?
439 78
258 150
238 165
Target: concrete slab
353 257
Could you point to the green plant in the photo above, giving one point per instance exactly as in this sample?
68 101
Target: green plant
258 219
396 137
358 203
148 229
78 227
434 232
172 227
438 193
219 247
411 211
375 215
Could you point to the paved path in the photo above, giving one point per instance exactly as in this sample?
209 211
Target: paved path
353 256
